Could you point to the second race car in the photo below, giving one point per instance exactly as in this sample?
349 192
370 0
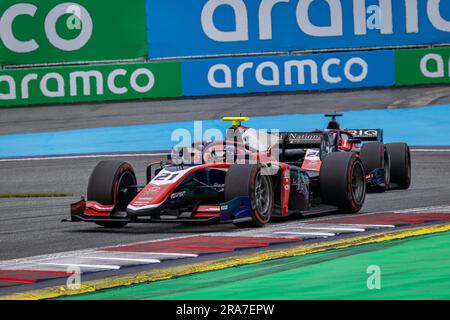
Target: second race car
387 166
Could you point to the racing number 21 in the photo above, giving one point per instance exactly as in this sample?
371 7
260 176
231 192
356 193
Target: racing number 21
166 176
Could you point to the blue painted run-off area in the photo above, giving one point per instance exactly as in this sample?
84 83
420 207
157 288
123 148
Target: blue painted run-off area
426 126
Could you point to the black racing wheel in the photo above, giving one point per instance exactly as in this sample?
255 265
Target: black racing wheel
400 164
249 180
342 181
105 186
375 155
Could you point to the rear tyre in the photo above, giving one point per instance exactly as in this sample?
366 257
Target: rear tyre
375 155
400 164
105 184
342 181
247 180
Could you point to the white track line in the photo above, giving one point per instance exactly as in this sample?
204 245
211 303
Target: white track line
335 228
138 155
430 150
93 266
124 259
320 234
370 225
188 255
424 209
84 157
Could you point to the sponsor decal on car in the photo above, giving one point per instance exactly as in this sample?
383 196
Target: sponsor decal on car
370 133
177 195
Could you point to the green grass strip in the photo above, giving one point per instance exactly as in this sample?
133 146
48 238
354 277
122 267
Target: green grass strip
412 268
35 195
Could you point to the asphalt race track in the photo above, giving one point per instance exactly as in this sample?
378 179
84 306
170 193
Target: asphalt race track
31 227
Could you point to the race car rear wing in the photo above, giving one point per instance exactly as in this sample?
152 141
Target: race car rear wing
300 139
293 145
366 135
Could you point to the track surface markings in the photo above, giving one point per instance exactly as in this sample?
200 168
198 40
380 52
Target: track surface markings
202 244
314 234
370 226
18 277
338 228
126 259
43 268
92 266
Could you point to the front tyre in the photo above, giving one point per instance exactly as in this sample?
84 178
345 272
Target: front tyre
105 186
400 164
342 181
246 180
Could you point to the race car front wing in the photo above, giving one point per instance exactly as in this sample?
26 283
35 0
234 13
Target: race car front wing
234 211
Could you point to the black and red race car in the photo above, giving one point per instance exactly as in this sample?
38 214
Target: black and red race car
249 177
387 166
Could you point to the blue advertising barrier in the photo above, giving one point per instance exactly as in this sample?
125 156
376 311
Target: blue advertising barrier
288 73
186 28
